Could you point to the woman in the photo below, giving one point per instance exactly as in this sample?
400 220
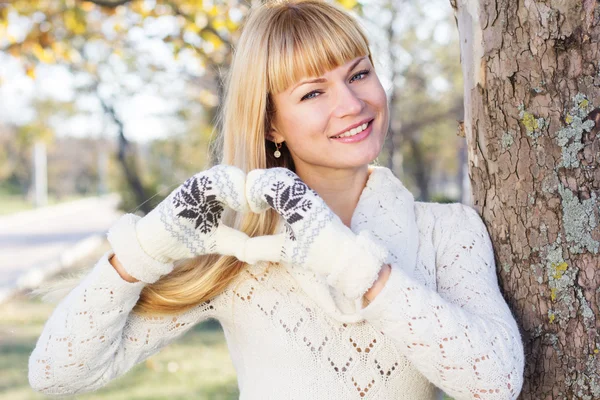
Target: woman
330 282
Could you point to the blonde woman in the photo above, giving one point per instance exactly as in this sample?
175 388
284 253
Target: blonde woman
329 280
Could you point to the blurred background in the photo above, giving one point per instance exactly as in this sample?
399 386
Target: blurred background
108 105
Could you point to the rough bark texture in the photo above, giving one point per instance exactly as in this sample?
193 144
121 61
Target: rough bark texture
532 85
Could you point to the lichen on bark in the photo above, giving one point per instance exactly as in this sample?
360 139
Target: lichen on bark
569 138
579 221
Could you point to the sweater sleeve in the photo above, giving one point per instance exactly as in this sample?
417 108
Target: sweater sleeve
463 338
93 337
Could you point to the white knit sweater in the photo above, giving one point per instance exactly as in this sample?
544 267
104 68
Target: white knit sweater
440 321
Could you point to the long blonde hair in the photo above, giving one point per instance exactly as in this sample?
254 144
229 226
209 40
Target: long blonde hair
282 41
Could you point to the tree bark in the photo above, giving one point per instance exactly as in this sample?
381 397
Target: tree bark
532 88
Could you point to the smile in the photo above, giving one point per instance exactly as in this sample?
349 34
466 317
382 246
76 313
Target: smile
355 134
354 131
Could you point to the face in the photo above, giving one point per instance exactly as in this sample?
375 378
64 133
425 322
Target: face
312 112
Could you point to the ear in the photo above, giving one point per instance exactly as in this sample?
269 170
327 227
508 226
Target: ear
274 135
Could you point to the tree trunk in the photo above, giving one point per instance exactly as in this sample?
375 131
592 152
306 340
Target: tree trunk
531 122
420 173
128 160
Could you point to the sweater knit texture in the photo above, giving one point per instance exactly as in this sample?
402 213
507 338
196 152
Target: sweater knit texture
440 322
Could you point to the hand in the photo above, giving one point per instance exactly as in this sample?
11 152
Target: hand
315 237
188 222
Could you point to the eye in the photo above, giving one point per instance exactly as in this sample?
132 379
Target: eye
308 95
364 72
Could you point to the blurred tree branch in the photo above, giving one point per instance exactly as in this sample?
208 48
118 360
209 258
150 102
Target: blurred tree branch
108 3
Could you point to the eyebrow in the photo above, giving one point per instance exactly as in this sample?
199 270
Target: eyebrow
321 80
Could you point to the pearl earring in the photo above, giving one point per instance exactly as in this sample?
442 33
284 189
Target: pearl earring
277 153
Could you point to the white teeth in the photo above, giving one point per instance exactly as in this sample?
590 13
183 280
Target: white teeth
354 131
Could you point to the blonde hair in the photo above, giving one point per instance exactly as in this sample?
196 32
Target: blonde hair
282 41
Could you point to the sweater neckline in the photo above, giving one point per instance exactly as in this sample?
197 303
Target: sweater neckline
385 210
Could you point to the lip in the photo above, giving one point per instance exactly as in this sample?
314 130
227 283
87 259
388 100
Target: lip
353 126
358 137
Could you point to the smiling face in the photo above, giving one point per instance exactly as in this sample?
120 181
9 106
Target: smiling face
310 113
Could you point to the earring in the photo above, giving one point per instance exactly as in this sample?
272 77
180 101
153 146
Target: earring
277 153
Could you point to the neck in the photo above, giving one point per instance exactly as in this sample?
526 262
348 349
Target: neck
339 188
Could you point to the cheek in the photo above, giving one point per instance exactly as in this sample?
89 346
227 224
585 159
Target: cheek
379 96
305 122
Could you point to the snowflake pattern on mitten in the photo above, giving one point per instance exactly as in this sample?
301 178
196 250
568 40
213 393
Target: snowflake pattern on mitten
198 206
289 199
305 213
192 213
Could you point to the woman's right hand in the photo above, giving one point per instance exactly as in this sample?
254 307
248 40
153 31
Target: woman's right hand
186 224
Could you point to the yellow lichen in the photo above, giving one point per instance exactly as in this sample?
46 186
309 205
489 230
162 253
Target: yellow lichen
529 122
559 268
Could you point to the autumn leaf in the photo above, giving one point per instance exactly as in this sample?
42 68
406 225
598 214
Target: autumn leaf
348 4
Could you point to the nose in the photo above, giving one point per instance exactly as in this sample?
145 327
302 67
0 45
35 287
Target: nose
347 102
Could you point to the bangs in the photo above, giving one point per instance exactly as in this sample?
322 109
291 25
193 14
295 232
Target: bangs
304 42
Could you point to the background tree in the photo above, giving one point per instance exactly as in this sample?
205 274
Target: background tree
417 46
97 39
532 84
78 34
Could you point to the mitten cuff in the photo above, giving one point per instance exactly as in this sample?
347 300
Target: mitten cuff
123 239
360 268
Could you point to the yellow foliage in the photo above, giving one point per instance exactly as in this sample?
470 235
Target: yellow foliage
348 4
212 38
553 294
59 49
30 71
190 6
232 26
87 6
74 21
14 51
219 23
44 55
191 27
3 28
213 11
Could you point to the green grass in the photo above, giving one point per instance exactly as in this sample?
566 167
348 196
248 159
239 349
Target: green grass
197 365
13 204
10 204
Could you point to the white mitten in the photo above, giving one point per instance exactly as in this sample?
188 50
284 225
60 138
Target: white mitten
315 237
186 224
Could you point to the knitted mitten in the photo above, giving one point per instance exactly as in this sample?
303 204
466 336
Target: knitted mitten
186 224
315 237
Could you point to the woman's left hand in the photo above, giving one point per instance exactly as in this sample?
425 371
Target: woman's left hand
315 236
